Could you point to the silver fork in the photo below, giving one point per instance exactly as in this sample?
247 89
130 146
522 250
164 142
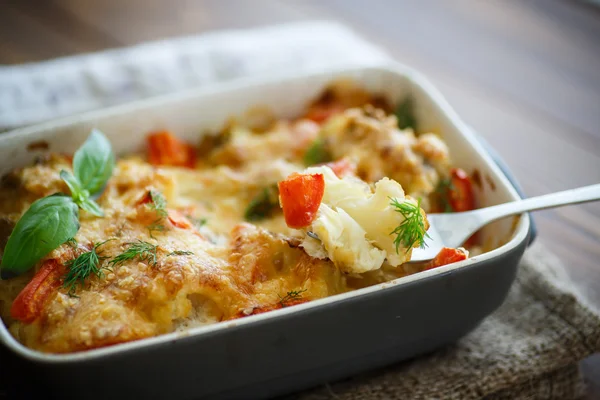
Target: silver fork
453 229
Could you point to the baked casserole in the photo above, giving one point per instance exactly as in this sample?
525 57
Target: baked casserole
264 214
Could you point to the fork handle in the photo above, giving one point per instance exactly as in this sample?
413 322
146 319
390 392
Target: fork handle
572 196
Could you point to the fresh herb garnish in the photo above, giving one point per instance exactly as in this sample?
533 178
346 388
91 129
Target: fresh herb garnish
263 204
48 223
72 242
405 114
93 164
291 295
180 253
53 220
412 230
317 153
159 204
141 250
82 267
442 192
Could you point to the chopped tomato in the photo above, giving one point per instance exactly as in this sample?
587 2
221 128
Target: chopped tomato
29 303
461 194
341 167
301 196
179 220
165 149
322 113
145 199
447 256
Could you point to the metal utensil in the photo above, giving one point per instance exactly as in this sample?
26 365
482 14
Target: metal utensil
453 229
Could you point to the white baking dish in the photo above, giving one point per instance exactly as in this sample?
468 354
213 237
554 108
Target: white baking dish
298 346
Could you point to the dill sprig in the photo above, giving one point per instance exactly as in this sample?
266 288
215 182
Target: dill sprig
180 253
141 250
412 230
81 267
159 204
291 295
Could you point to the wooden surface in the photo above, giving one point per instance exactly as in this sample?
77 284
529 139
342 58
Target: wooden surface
524 74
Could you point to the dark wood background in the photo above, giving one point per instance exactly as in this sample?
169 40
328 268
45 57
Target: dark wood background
524 74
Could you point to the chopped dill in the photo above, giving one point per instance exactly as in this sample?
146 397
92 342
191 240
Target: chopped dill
180 253
291 295
412 230
158 203
72 242
141 250
81 267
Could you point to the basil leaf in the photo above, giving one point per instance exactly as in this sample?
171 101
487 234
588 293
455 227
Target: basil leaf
73 184
91 206
93 163
405 114
47 224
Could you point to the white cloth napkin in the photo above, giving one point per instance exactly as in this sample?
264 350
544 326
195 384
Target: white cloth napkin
36 92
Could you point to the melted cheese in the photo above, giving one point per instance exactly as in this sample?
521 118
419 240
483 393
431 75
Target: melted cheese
236 268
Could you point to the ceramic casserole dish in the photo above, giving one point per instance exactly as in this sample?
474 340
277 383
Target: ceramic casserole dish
295 347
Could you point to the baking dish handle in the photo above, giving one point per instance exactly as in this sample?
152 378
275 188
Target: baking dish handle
509 175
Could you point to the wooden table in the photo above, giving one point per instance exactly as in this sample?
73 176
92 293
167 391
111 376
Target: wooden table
525 75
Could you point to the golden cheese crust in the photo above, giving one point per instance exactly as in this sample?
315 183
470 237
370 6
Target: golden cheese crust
231 268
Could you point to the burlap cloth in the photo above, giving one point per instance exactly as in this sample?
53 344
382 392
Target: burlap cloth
528 349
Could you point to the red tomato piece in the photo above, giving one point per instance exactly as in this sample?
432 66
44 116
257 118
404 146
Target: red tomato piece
165 149
179 220
29 303
461 195
447 256
301 196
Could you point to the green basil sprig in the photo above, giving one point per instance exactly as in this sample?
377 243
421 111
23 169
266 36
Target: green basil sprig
48 223
93 164
53 220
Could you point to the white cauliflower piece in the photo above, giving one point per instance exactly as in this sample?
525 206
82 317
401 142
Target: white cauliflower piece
343 241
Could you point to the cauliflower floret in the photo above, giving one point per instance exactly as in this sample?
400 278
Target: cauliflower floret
354 223
344 242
